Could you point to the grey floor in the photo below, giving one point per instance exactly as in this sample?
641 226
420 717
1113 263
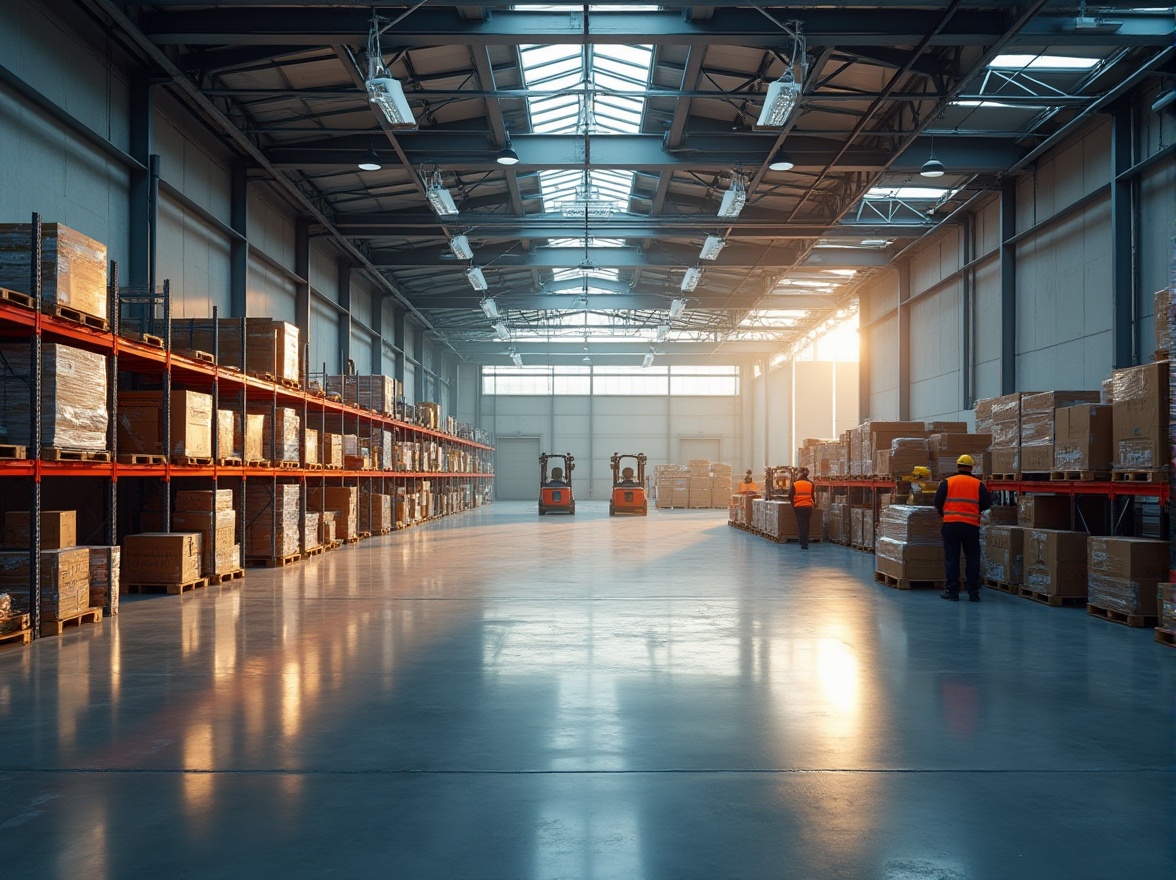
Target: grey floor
499 695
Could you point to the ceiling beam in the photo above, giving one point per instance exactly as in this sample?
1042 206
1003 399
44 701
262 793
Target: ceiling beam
665 256
639 302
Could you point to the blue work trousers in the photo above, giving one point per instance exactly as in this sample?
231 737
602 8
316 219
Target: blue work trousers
959 536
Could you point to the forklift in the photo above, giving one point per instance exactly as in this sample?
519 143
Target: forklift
555 493
778 482
628 493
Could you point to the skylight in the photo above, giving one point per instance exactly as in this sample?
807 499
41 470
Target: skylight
1042 62
910 193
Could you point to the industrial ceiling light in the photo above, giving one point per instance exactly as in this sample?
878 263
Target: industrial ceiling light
516 357
782 98
932 167
734 198
476 278
691 278
439 197
648 359
677 307
383 90
460 245
503 331
507 155
370 161
662 331
490 308
711 247
781 161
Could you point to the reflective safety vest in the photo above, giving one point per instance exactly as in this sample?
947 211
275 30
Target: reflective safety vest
803 494
963 500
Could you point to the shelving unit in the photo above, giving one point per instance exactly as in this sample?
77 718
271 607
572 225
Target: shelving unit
159 363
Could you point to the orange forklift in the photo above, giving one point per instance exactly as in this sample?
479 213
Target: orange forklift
555 492
628 494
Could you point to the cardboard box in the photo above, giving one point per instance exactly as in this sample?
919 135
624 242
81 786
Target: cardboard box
310 450
1037 459
218 537
73 266
1126 574
59 529
1055 562
272 519
1166 600
344 501
1005 460
271 347
161 558
204 499
1003 557
226 434
333 450
140 423
1083 438
74 414
253 441
1140 417
65 581
105 571
284 442
913 562
1044 511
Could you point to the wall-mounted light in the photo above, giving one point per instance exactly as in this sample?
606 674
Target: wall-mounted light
711 247
476 278
370 161
460 246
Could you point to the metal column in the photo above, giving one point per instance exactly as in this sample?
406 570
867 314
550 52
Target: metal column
904 340
1008 288
1123 286
239 247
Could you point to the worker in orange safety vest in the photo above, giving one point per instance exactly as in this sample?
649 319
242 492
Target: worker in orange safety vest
801 496
960 500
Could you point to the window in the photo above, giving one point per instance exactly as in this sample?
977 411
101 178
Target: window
654 381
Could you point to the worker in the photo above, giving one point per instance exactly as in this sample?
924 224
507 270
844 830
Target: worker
919 476
960 500
801 496
556 477
747 487
627 477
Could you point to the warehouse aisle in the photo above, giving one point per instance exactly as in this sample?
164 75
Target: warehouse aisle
498 695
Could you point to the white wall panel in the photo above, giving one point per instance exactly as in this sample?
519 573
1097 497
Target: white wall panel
324 336
987 227
879 296
1062 177
195 258
270 293
361 350
987 328
271 229
883 367
936 353
1157 244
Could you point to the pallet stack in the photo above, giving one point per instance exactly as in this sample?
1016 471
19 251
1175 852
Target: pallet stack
211 514
140 425
74 415
909 549
167 562
273 513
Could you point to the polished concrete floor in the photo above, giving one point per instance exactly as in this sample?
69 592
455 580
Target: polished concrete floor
499 695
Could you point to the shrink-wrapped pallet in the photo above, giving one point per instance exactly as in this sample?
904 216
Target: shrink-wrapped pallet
311 534
375 512
1003 557
909 545
332 450
218 537
1140 417
272 517
1056 562
344 501
105 568
161 558
73 266
271 347
374 392
74 414
1125 574
227 434
282 444
140 423
310 450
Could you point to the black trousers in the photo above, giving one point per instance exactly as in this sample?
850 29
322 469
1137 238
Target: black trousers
803 516
956 537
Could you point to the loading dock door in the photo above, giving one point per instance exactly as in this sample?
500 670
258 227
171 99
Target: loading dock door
516 469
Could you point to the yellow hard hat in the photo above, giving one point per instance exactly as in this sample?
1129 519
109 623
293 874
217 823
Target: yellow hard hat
920 471
965 460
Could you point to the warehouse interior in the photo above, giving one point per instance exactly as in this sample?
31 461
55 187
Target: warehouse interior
301 302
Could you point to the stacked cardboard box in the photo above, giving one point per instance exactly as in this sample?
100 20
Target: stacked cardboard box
344 501
73 266
383 448
1125 574
211 514
377 393
140 423
375 511
1162 307
226 434
902 456
1055 562
332 450
945 448
284 443
721 484
161 558
429 414
1044 511
272 515
74 414
312 530
271 347
1003 559
909 546
59 529
65 581
776 519
837 526
1140 417
1083 438
1166 601
857 527
867 438
1038 426
311 446
326 527
105 572
673 485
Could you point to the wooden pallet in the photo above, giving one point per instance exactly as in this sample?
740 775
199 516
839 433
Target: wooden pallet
1050 599
1080 476
55 627
283 465
1004 588
292 384
170 589
52 453
1137 620
222 577
1002 478
24 636
904 584
273 561
313 551
1139 476
17 299
16 628
255 462
141 458
313 467
205 356
354 540
1166 636
192 460
77 317
862 547
332 467
13 452
146 338
228 462
384 532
